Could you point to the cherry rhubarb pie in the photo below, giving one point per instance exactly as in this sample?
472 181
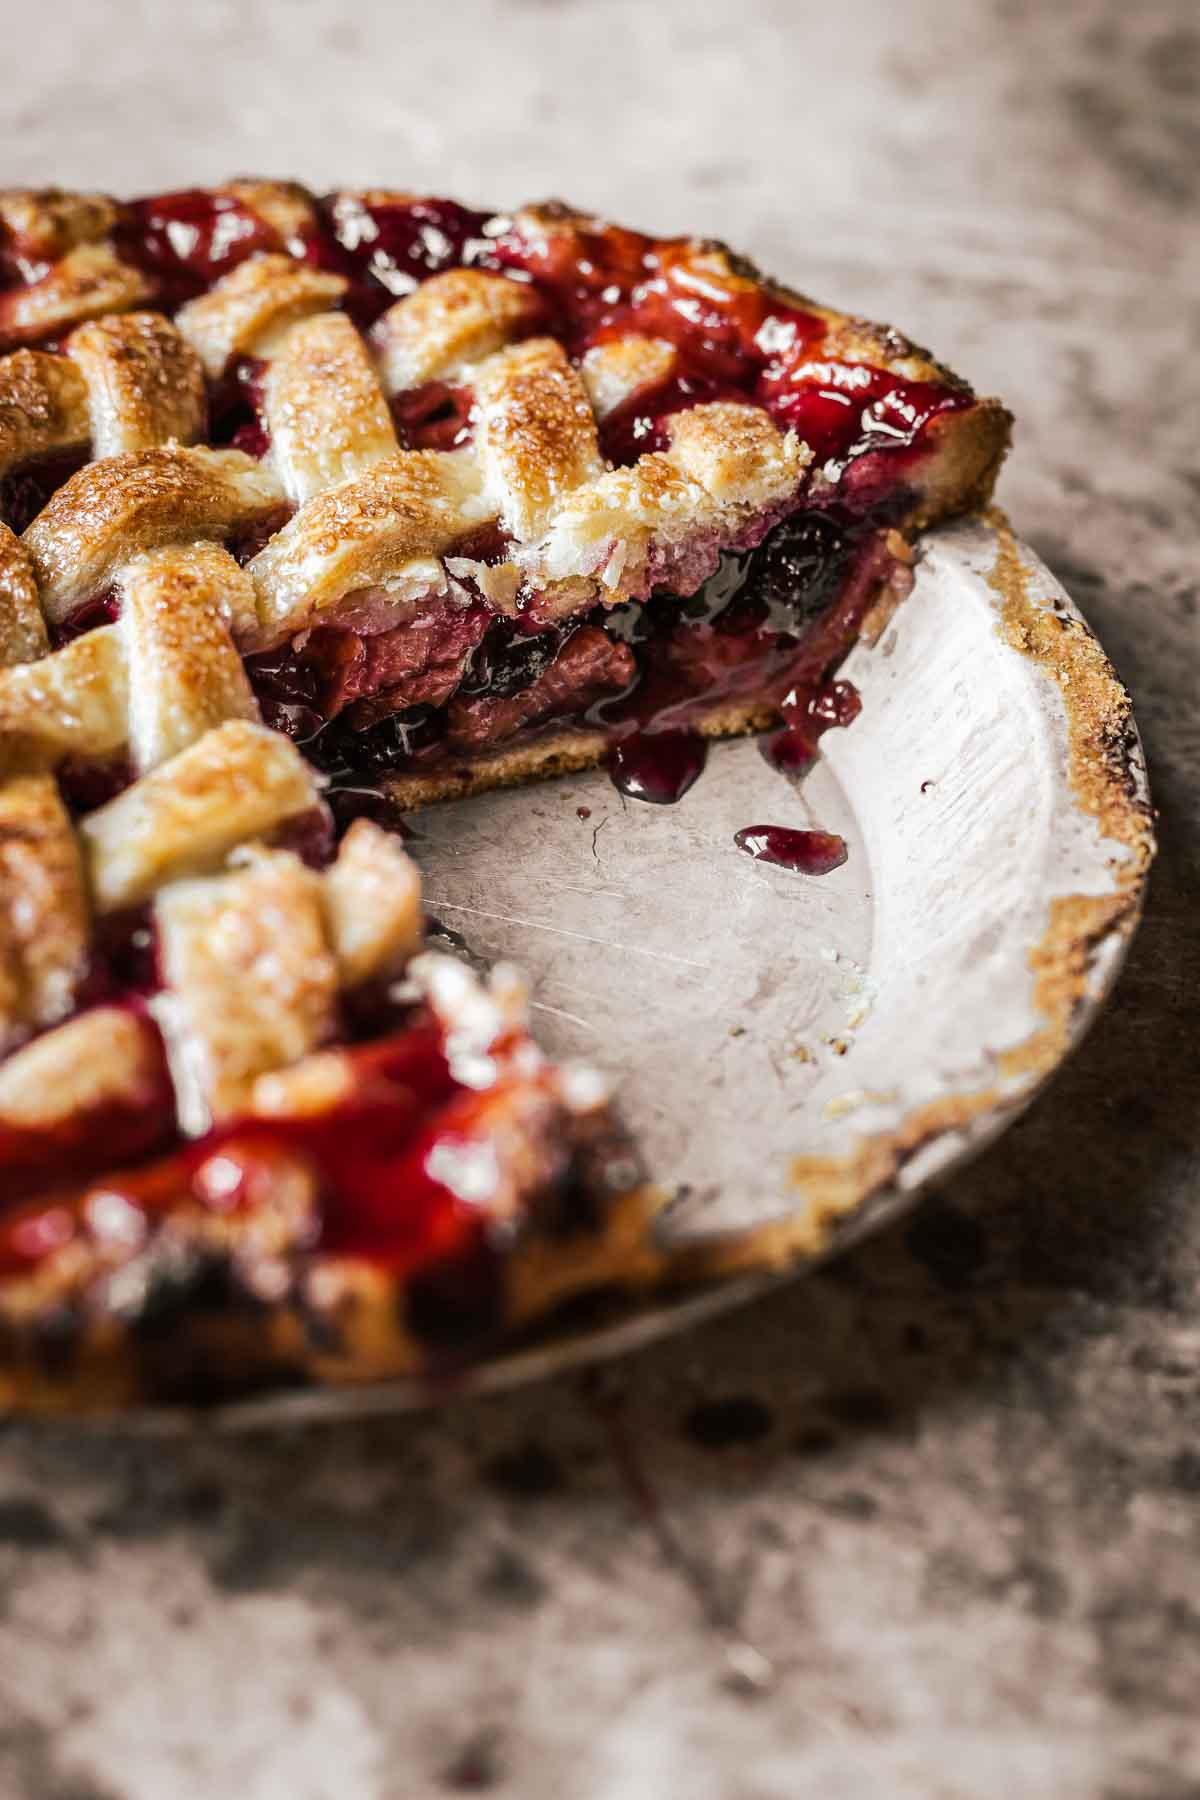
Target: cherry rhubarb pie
304 497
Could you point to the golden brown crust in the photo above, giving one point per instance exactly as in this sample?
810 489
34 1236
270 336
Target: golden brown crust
250 983
74 703
184 673
113 509
43 407
23 635
43 224
412 506
233 785
372 898
285 205
87 283
326 415
617 369
45 924
450 322
144 381
737 454
248 306
102 1058
536 436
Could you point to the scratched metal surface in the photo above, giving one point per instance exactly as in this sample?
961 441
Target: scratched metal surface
947 1490
747 1016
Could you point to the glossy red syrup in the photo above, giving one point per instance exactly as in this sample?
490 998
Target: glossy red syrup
808 715
388 248
804 852
33 1158
657 766
187 240
436 416
384 1159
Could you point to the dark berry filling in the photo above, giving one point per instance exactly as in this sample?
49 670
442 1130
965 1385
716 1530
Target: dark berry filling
235 408
433 417
186 241
404 1170
387 248
25 491
803 852
764 632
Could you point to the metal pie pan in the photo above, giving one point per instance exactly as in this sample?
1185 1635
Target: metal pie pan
799 1058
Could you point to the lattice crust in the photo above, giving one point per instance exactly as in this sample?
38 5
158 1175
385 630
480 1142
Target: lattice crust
253 959
44 913
371 515
100 1059
256 950
88 283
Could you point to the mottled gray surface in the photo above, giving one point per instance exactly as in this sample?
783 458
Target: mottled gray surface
949 1490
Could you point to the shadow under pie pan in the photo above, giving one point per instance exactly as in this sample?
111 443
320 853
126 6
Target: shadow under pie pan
800 1058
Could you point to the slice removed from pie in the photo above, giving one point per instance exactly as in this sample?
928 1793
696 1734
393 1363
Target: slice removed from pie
304 495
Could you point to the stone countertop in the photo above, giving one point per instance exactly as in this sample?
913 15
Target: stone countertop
925 1525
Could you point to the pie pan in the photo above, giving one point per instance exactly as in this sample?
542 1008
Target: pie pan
799 1058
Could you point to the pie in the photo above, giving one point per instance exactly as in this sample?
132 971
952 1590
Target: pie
315 510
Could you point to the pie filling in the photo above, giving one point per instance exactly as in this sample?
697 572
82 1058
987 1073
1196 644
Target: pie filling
765 631
478 1140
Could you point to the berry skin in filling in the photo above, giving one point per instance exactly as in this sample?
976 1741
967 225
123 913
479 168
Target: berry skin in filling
765 631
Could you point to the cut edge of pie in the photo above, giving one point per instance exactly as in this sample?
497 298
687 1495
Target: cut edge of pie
301 494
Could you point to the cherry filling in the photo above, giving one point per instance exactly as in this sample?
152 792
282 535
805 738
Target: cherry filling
25 491
186 241
803 852
763 633
235 408
436 416
387 248
413 1171
140 1124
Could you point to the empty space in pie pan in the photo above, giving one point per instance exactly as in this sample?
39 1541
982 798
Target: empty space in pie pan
800 1057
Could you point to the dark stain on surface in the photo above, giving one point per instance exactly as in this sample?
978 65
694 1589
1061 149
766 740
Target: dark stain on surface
948 1242
150 1508
526 1472
1184 1472
727 1422
1034 1585
861 1407
28 1525
30 1769
259 1551
477 1767
513 1579
1173 62
814 1440
1151 152
854 1504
